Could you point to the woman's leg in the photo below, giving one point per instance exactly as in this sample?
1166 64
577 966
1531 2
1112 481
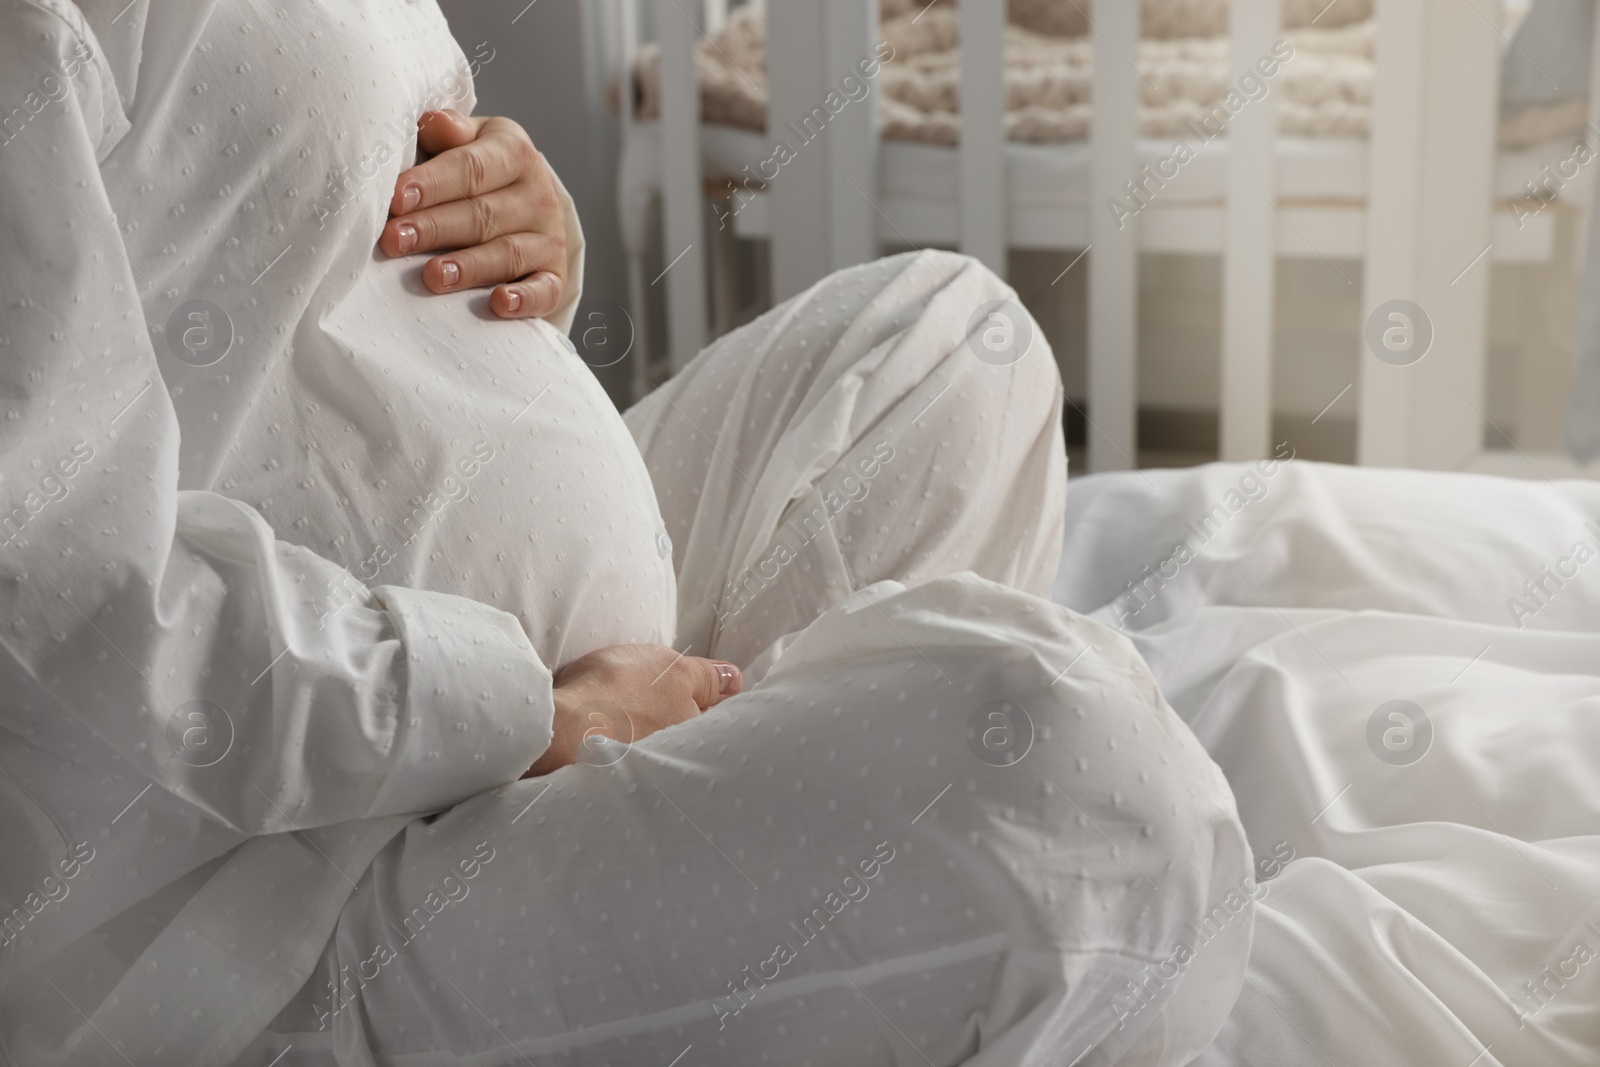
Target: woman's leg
951 823
852 435
954 824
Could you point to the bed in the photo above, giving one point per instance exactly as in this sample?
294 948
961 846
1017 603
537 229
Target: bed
1397 671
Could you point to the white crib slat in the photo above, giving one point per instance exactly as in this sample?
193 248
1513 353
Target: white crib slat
1463 78
852 140
639 298
714 15
1114 259
983 98
621 46
681 191
1249 256
796 64
1592 135
1393 187
1429 226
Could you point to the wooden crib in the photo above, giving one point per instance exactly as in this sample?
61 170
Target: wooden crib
1425 226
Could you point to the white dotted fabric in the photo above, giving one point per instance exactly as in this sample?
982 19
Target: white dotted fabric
357 541
362 538
624 897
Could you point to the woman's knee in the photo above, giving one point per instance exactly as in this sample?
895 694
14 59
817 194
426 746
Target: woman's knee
1094 748
1114 834
952 342
1037 721
1043 789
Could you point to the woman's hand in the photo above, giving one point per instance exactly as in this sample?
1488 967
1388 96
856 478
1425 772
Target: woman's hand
627 692
488 195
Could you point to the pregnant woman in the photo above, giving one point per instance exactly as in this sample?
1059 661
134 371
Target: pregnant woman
375 693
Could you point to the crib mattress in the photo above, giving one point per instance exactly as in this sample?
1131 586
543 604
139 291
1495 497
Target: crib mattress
1050 182
1320 72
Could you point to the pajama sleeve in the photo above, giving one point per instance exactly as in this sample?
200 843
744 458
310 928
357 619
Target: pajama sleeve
171 628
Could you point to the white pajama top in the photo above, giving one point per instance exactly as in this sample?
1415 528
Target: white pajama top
247 476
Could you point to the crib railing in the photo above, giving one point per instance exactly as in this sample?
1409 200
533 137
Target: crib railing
1425 232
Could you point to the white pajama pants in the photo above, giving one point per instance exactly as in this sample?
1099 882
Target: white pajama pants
947 822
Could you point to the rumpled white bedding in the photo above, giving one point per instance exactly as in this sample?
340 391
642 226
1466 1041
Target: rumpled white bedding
1442 905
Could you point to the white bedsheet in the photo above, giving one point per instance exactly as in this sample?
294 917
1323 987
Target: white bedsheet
1443 911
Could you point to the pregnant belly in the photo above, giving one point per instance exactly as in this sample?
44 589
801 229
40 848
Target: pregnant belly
422 443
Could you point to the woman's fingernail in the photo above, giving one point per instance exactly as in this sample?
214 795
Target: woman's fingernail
410 197
407 234
513 300
449 274
729 675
